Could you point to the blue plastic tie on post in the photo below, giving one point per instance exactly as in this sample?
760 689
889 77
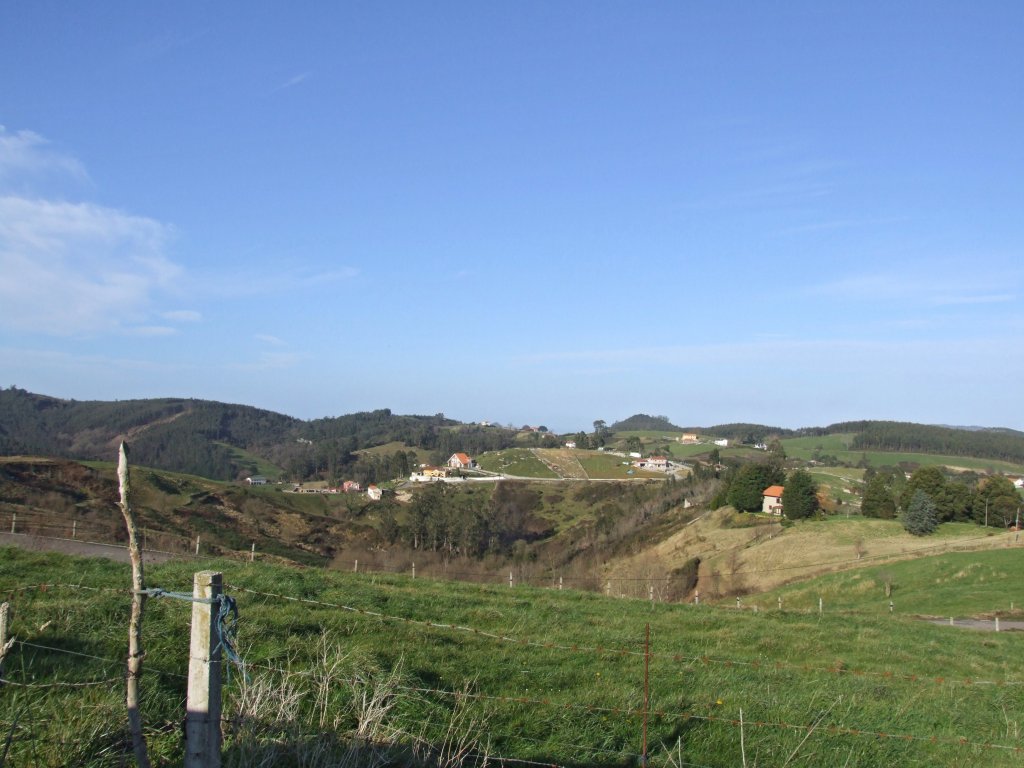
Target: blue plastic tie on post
227 621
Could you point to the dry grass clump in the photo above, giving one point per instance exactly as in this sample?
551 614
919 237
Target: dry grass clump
338 712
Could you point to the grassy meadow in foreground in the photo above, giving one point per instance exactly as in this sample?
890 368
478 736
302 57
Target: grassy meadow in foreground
543 675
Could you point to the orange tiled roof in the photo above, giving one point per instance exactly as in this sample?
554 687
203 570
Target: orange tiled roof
773 490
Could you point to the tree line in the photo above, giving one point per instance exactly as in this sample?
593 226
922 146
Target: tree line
985 500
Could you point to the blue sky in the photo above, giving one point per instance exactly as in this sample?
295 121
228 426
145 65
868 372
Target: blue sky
546 213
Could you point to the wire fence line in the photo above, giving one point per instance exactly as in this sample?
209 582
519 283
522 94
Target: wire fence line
551 578
755 664
529 644
839 668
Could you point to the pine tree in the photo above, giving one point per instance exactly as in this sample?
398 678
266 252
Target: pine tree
921 518
878 499
800 496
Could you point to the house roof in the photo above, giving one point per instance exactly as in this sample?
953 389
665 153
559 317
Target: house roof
773 490
461 457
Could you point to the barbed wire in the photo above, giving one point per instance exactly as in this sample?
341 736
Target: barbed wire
839 668
15 683
689 715
597 579
107 660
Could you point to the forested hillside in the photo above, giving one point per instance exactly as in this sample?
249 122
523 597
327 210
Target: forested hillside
225 442
1005 445
641 422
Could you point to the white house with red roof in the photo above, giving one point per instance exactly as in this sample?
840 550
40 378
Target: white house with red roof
772 503
461 461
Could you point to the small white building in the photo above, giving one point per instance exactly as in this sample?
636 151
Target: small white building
571 444
772 504
373 493
722 443
256 480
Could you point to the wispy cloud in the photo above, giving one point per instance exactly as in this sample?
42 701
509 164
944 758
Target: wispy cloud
292 81
182 316
71 269
266 338
923 285
75 268
26 156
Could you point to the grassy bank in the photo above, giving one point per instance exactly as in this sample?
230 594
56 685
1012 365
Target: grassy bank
541 675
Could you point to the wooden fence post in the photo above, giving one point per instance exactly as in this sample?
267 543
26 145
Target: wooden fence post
202 719
135 653
5 644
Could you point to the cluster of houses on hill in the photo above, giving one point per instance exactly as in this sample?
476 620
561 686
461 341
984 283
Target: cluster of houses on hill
429 474
349 486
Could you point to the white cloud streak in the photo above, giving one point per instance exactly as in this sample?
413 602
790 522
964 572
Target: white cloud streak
69 269
25 155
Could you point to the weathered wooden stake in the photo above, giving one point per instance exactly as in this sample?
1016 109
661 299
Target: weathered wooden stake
780 603
138 606
821 606
355 568
5 644
951 621
197 546
997 623
252 554
74 529
560 589
14 521
202 720
510 579
650 592
414 571
696 597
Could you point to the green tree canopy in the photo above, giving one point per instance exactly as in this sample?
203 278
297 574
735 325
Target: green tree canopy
878 499
800 496
920 517
996 496
746 491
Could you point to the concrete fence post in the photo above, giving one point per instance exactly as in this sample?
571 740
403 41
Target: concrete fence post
821 606
560 585
14 521
510 579
414 571
202 719
197 546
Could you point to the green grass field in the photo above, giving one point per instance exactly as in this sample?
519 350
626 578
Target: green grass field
838 446
515 461
524 673
603 466
958 584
